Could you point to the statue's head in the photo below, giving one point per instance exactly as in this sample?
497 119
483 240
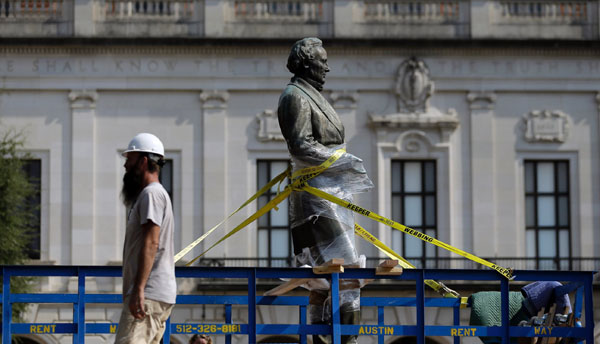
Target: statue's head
308 60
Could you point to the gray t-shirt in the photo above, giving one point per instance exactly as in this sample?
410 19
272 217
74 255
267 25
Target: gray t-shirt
153 204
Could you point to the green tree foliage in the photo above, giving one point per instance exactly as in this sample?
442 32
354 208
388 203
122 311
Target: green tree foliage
16 214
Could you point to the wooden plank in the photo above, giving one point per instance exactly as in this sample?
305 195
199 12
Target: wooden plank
395 271
548 323
334 265
388 263
287 286
324 269
334 261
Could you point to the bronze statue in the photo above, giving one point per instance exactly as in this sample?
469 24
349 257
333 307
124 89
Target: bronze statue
320 229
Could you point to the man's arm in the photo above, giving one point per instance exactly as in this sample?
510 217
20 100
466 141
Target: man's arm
146 260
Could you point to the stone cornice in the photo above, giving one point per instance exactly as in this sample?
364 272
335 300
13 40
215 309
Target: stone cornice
281 47
431 120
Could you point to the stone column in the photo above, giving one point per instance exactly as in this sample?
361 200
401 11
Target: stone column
83 111
483 171
214 155
594 236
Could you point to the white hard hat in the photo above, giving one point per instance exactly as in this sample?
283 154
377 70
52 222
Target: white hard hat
145 143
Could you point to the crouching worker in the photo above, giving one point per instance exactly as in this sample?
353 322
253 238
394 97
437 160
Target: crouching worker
149 288
321 230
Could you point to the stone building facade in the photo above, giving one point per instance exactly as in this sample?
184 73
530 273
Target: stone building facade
478 122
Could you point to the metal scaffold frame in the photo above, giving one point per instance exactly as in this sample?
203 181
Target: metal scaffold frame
578 281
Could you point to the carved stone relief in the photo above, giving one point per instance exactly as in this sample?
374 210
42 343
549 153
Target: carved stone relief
413 141
413 90
268 127
413 86
546 126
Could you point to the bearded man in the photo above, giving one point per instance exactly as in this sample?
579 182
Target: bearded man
321 230
149 287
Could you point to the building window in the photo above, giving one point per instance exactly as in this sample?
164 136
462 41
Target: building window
414 205
33 170
547 217
166 177
274 240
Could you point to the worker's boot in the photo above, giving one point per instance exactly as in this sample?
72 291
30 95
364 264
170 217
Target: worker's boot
349 316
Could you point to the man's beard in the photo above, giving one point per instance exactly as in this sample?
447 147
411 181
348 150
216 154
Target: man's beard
132 186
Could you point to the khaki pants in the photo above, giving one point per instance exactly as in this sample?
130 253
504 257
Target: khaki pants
143 331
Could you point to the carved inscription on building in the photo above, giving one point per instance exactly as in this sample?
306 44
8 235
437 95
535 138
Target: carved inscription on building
127 65
546 126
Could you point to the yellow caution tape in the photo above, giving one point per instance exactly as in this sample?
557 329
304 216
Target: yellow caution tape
437 286
298 178
264 189
278 199
310 172
362 211
464 302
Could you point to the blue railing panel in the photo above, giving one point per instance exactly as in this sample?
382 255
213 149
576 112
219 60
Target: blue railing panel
6 308
380 330
212 299
186 328
581 282
303 322
547 331
42 328
103 298
44 298
228 320
380 321
101 328
464 331
335 308
292 329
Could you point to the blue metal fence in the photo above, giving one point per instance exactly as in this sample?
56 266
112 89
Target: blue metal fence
578 281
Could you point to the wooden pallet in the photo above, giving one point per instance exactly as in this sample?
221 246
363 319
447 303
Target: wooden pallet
336 265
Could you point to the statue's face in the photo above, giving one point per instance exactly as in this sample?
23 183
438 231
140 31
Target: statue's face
318 67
